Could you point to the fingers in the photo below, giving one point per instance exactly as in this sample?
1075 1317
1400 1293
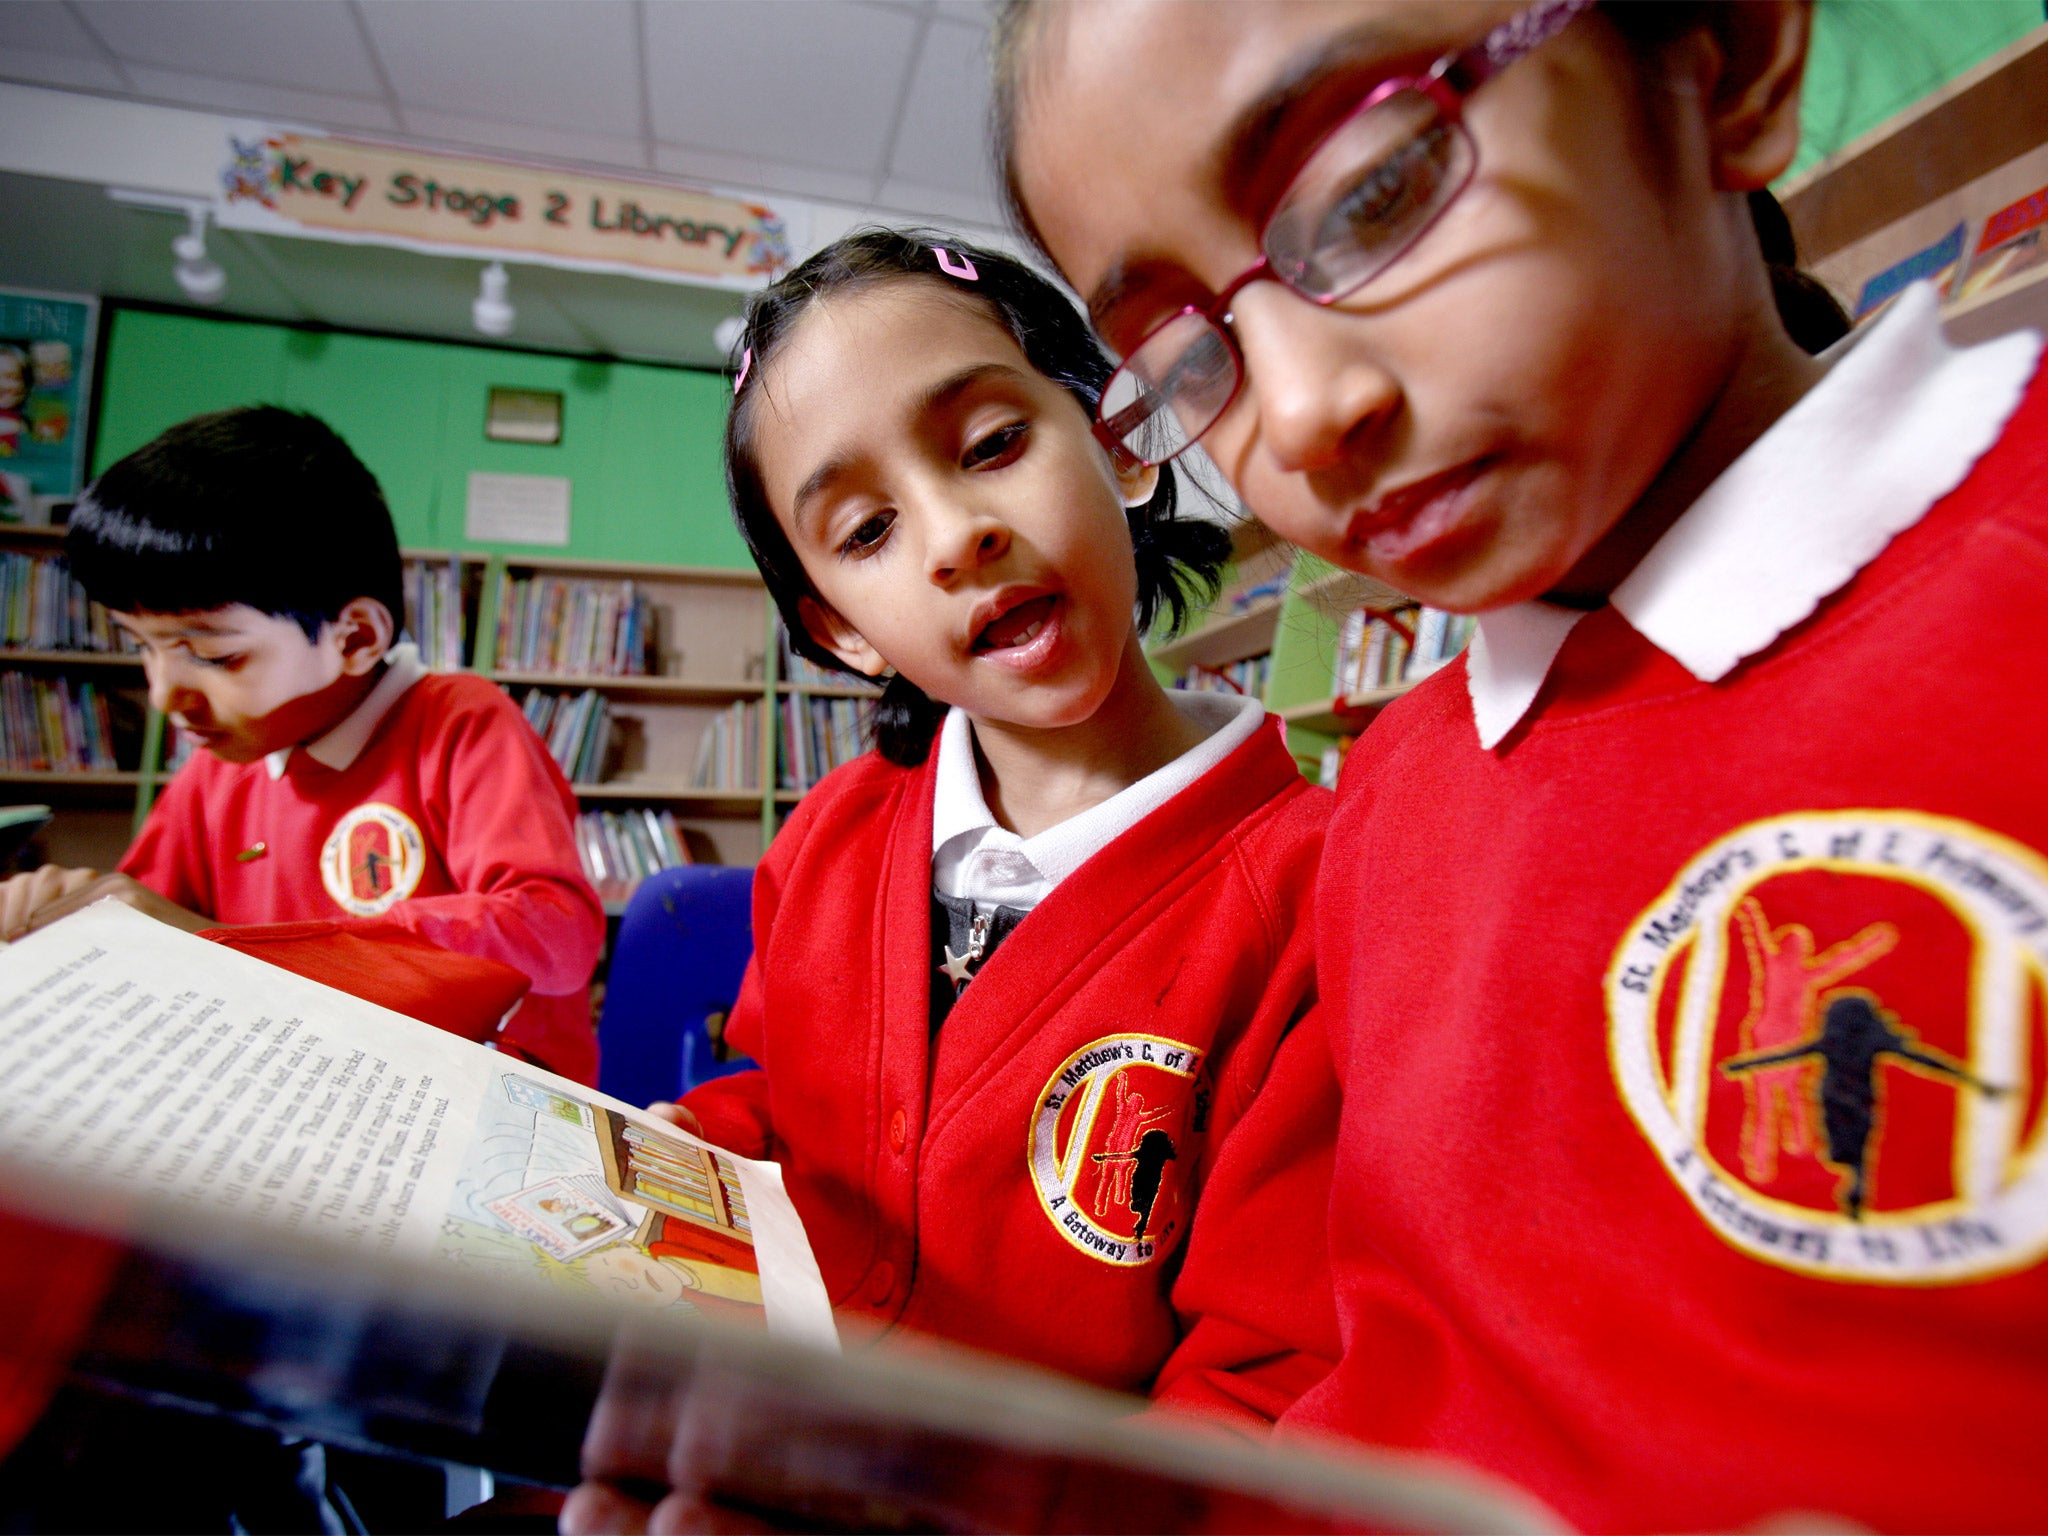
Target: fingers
23 897
79 893
677 1115
599 1509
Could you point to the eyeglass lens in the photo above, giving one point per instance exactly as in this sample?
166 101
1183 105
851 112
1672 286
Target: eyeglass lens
1368 193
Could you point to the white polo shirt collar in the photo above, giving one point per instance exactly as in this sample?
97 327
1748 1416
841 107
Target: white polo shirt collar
974 857
341 746
1895 425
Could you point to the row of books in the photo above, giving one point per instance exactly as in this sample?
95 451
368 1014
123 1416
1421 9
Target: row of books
1378 648
433 611
805 673
575 626
576 727
729 752
2012 241
619 849
53 725
42 607
1247 677
817 736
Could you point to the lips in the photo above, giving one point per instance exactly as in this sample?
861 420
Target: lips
1408 519
1015 626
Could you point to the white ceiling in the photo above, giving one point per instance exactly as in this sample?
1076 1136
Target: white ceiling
877 103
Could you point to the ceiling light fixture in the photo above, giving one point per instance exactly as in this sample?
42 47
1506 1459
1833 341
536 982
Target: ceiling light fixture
492 312
198 274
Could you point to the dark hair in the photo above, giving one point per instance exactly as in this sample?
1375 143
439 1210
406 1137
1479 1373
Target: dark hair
1179 560
1810 314
257 505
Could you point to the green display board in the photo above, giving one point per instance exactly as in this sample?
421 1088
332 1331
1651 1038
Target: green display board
1871 59
640 445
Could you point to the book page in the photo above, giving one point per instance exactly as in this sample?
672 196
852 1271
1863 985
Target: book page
159 1068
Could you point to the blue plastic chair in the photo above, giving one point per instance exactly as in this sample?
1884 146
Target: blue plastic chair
681 950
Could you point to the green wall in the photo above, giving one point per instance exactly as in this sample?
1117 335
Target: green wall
639 444
1871 59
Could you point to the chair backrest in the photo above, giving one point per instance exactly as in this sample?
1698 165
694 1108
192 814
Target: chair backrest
681 949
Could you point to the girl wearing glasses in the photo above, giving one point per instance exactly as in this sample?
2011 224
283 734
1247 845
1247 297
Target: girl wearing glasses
1020 968
1750 742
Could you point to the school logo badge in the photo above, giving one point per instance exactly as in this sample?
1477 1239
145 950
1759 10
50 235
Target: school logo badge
373 859
1833 1028
1109 1144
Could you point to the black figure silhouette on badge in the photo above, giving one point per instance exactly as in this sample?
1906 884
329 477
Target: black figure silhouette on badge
1154 1152
1854 1033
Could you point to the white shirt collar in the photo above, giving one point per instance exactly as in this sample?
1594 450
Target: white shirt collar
974 857
340 747
1895 425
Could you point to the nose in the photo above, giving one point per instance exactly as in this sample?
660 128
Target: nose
1309 378
963 539
170 690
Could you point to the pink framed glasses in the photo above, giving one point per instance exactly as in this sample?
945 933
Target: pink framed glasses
1372 188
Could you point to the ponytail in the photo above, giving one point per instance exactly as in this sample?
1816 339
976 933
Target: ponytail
1809 312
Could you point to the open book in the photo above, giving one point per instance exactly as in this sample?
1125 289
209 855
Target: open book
355 1226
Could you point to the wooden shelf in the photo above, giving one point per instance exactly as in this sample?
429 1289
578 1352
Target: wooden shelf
118 778
667 687
2021 304
1329 717
829 690
627 570
718 802
37 532
70 658
1224 639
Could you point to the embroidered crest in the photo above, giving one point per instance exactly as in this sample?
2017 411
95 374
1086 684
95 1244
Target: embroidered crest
1833 1028
373 859
1109 1145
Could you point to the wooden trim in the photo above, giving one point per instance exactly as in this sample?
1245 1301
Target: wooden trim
1977 122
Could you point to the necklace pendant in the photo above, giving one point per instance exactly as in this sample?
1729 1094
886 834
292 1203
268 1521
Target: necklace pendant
960 968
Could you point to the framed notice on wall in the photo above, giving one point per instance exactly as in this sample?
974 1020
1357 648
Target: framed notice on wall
46 344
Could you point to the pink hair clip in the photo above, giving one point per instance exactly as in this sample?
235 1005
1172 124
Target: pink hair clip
746 362
947 260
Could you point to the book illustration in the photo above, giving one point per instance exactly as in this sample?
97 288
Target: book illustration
577 1195
2015 240
1937 263
560 1218
525 1091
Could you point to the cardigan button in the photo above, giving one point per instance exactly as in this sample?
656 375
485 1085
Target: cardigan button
899 1130
881 1282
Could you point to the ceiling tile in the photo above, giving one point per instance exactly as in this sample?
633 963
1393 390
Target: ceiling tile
743 173
906 198
37 66
802 82
313 108
43 24
563 66
944 138
312 44
496 139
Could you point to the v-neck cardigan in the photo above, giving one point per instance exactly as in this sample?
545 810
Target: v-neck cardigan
1023 1181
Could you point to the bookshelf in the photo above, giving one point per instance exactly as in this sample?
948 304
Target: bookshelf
46 632
1280 623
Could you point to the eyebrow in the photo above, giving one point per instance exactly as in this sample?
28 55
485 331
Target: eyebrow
936 398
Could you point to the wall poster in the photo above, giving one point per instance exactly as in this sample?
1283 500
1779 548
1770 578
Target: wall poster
46 342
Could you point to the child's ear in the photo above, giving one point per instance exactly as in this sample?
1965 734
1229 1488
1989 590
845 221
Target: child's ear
1753 103
1136 482
364 632
840 638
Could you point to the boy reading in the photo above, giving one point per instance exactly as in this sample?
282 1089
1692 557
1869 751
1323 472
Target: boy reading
252 558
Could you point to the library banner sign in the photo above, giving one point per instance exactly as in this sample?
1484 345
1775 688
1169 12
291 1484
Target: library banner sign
293 182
